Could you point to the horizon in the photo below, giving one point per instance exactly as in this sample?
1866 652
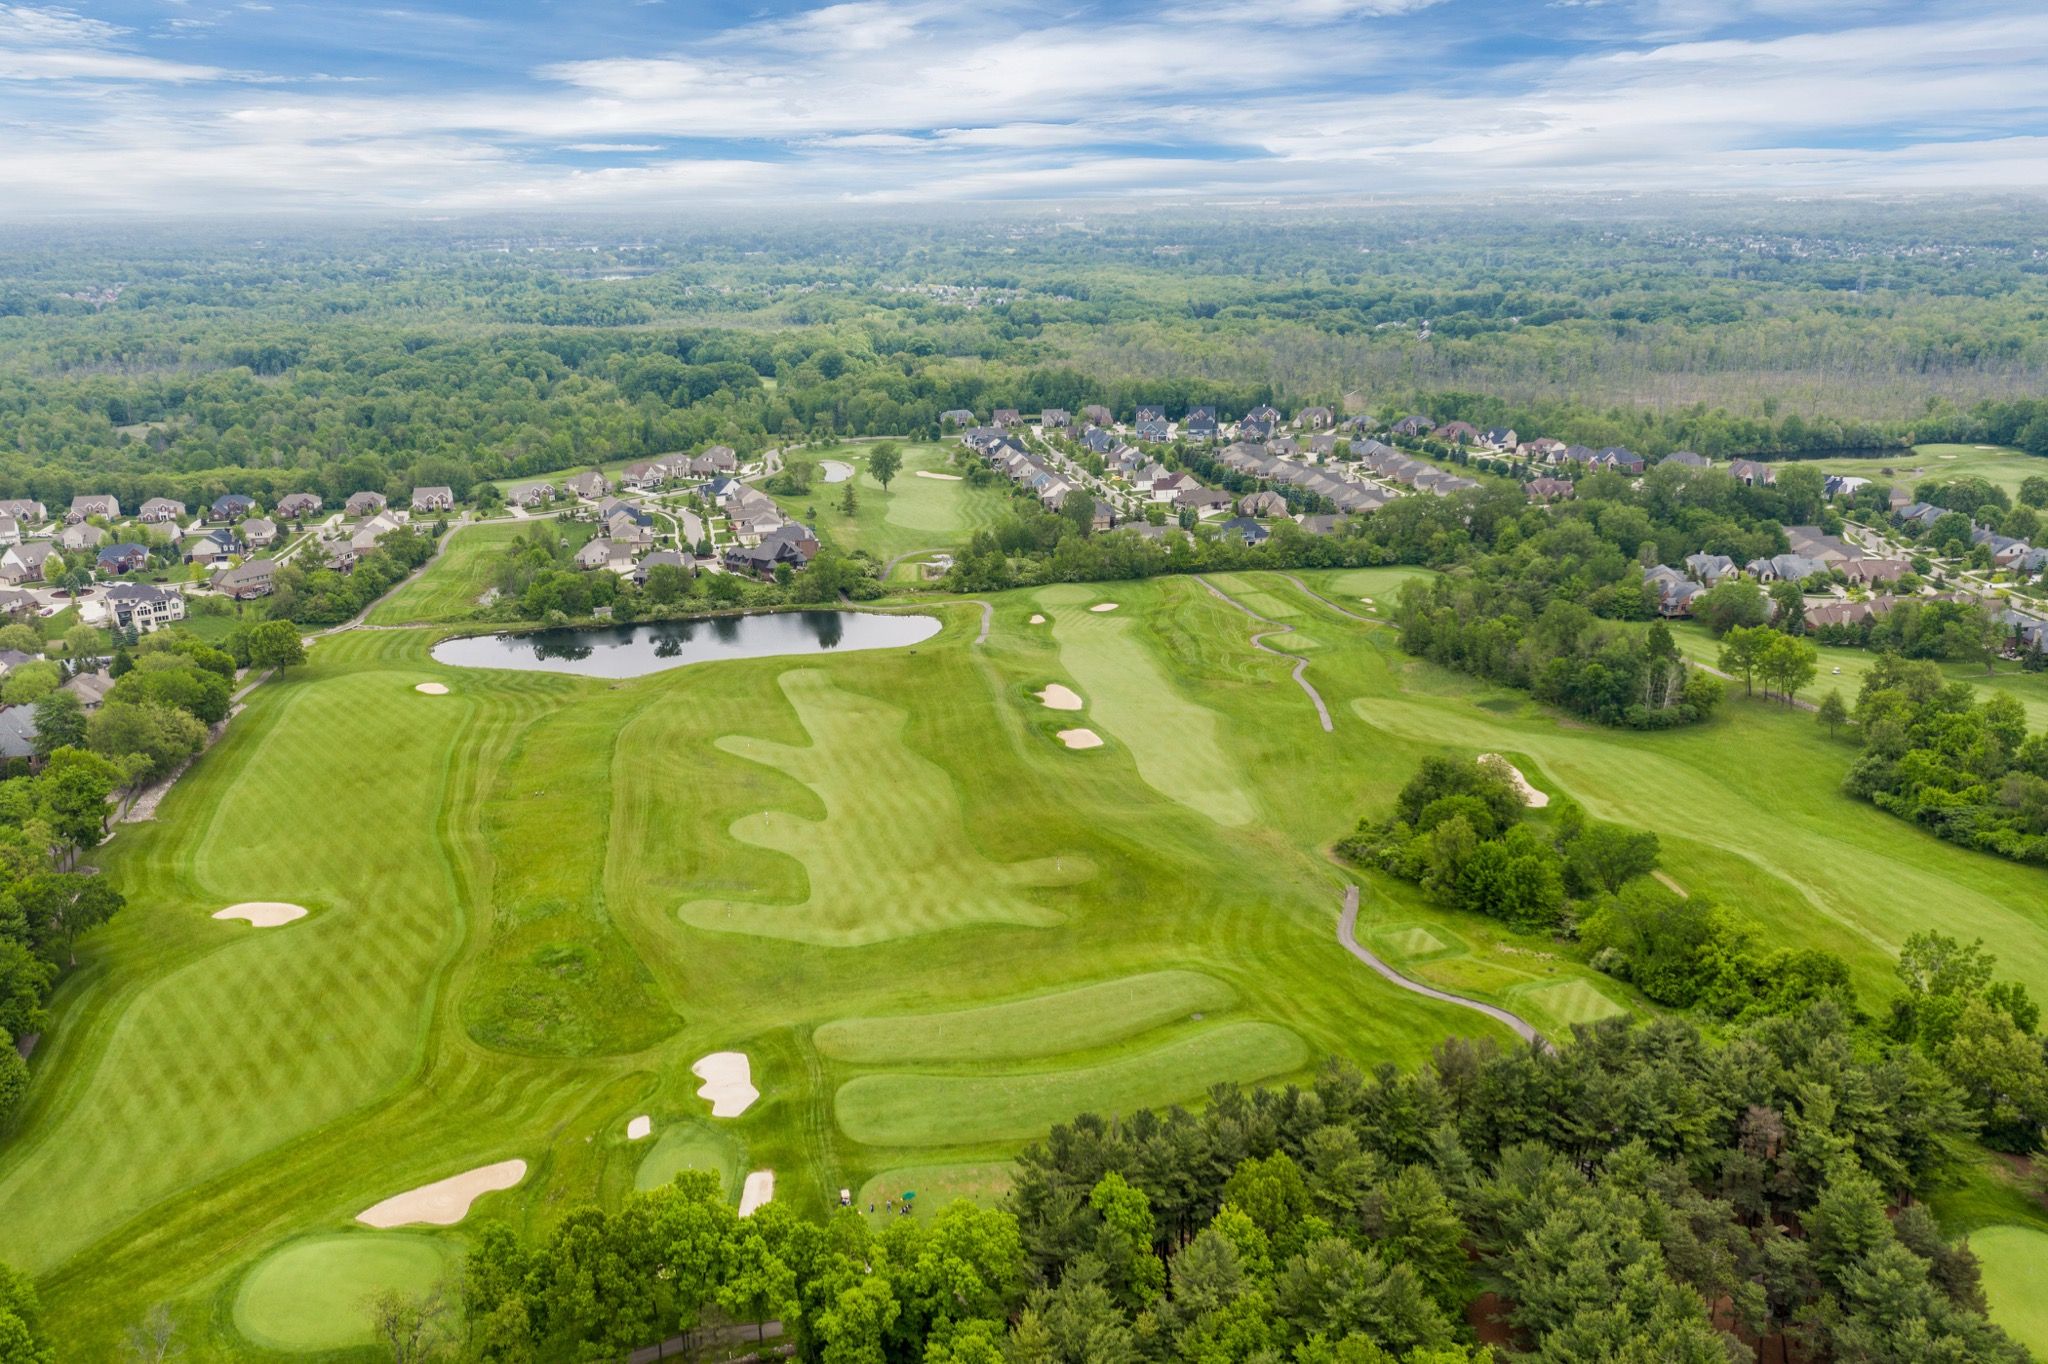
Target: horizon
190 108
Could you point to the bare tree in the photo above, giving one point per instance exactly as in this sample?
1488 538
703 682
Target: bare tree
154 1340
408 1323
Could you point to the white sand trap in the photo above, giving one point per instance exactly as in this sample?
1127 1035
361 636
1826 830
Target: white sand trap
1104 606
431 689
943 478
727 1083
1057 697
263 913
1946 456
640 1128
1038 620
446 1201
1531 797
1974 447
1080 738
759 1188
835 471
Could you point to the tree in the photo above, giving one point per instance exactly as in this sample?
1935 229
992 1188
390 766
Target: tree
155 736
23 639
1833 714
1734 601
30 683
21 1318
275 644
81 640
1789 662
407 1324
60 722
71 798
1790 599
885 461
1742 652
849 502
154 1339
2034 491
667 584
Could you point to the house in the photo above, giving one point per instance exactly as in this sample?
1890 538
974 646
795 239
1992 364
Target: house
1413 426
1842 485
1200 423
433 499
1549 489
259 531
1265 414
18 732
647 473
1148 413
1324 444
337 556
673 558
371 531
27 511
533 495
1098 441
1921 514
1710 568
1314 418
114 560
1203 501
158 510
230 507
15 602
10 659
1875 570
1282 445
719 459
142 607
1055 419
91 688
294 506
1544 448
1619 458
1675 591
956 416
1813 543
1253 428
1501 438
1687 459
1751 474
591 485
1322 523
211 547
23 563
81 536
1263 504
1005 417
1154 430
1245 529
1166 487
244 581
1789 568
93 504
1898 497
1457 433
792 544
1098 414
10 531
594 554
363 504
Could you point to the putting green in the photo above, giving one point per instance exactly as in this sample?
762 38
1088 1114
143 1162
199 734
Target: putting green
1413 941
1178 745
1568 1001
878 868
1266 604
312 1294
1043 1025
691 1146
959 1110
982 1183
2014 1261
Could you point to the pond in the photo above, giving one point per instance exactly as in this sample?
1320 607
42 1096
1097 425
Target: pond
635 650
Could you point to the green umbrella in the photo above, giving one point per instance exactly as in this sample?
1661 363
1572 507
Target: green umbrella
909 1194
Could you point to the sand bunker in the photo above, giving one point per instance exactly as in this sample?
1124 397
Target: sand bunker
263 913
1080 738
760 1187
835 471
1105 606
943 478
1530 795
727 1083
446 1201
1057 697
640 1128
431 689
1038 620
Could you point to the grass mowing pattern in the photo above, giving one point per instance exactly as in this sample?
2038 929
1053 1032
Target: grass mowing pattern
2014 1262
1415 941
947 1110
1177 744
890 857
1071 1020
1568 1002
309 1295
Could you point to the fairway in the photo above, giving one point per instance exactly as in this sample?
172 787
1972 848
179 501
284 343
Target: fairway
2014 1263
313 1294
911 514
951 1110
1999 465
1069 1020
453 585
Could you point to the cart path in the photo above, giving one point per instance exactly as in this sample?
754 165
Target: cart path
1347 933
1316 596
1259 642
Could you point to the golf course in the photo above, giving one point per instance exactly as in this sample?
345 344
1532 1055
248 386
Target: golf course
931 926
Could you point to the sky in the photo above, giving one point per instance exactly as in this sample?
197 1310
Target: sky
236 106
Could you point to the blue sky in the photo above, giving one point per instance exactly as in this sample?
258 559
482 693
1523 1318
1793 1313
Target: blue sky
185 106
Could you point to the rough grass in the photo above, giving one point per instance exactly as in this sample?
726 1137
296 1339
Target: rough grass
2014 1263
312 1294
950 1110
1068 1020
449 588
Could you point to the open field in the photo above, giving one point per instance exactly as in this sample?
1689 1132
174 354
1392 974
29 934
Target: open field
536 901
2015 1268
449 588
912 513
1927 463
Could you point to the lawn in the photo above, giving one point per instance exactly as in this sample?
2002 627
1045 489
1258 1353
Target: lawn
932 930
2014 1262
310 1295
1927 463
453 585
917 511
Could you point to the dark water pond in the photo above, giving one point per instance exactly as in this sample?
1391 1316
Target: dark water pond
634 650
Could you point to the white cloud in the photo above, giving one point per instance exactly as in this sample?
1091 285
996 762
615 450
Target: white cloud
39 43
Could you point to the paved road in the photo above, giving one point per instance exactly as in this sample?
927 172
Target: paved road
1259 642
988 618
1347 933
